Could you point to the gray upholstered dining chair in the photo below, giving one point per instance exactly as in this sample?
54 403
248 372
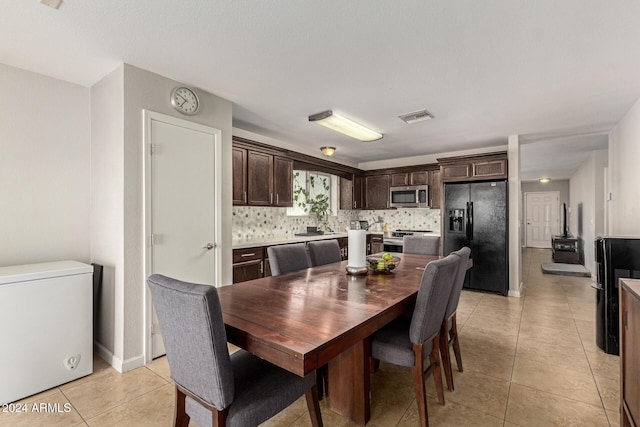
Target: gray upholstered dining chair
449 329
286 258
408 342
421 245
213 388
323 252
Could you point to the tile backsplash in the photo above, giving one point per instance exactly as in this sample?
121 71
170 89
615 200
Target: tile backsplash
265 223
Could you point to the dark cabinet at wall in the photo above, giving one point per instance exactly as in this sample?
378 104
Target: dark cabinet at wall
239 176
269 180
282 182
247 264
377 192
346 194
419 178
435 189
351 193
259 178
409 178
358 192
473 168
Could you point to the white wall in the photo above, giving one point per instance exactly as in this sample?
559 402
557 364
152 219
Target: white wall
44 169
587 195
624 175
107 219
122 97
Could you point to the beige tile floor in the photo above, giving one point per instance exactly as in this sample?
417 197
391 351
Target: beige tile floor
528 361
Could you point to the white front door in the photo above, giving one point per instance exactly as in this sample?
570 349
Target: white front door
181 212
541 218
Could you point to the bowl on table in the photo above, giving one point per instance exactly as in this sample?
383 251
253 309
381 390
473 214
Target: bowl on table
382 263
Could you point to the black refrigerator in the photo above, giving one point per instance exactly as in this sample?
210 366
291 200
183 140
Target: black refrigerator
476 215
616 257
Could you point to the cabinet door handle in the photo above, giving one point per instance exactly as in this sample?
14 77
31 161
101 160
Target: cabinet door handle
245 197
271 198
261 267
248 255
354 204
277 198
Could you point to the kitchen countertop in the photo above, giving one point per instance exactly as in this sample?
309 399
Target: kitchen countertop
269 241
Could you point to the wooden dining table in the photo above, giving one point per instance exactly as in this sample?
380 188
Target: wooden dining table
303 320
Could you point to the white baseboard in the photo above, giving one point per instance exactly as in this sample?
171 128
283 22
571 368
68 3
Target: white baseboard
516 293
116 362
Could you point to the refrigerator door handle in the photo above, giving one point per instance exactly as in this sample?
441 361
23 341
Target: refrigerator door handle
469 229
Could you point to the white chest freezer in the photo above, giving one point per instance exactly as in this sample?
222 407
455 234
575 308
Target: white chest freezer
46 316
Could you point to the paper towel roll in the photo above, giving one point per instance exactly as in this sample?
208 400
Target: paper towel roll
357 248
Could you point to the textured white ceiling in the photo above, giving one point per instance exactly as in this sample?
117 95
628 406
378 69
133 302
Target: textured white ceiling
485 69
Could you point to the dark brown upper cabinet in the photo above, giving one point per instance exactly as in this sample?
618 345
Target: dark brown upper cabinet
239 176
282 182
409 178
435 189
351 193
474 168
269 180
377 191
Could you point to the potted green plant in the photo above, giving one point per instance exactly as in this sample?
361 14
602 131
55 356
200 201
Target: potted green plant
313 202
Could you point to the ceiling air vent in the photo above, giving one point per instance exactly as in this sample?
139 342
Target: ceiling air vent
416 116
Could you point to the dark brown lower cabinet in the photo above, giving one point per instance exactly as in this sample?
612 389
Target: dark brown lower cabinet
247 264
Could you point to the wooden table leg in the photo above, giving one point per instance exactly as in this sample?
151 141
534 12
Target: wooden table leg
349 387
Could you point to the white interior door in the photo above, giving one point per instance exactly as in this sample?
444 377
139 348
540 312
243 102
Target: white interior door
181 206
542 218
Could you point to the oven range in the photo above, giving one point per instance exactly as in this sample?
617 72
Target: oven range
393 243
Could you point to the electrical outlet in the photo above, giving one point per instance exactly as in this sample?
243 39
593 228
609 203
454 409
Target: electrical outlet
71 362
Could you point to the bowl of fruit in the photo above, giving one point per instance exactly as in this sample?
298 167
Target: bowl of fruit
384 263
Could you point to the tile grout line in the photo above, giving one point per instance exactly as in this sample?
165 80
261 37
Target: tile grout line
125 402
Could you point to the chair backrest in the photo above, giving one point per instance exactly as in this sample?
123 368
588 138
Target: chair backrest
452 306
323 252
286 258
421 245
432 299
193 331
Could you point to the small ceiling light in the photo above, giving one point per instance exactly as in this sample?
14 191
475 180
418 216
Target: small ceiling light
343 125
328 151
544 180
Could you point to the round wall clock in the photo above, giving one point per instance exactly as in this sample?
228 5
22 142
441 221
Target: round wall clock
185 100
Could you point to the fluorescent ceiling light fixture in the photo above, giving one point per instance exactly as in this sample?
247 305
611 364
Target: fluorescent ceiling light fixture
416 116
343 125
544 180
328 151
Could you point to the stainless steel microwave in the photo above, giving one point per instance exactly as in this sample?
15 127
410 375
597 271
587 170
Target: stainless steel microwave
411 196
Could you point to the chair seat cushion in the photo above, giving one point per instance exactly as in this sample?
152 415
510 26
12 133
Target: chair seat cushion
261 390
391 343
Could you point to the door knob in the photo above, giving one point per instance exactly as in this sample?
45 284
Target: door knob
209 246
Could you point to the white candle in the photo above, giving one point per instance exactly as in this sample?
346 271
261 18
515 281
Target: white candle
357 248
